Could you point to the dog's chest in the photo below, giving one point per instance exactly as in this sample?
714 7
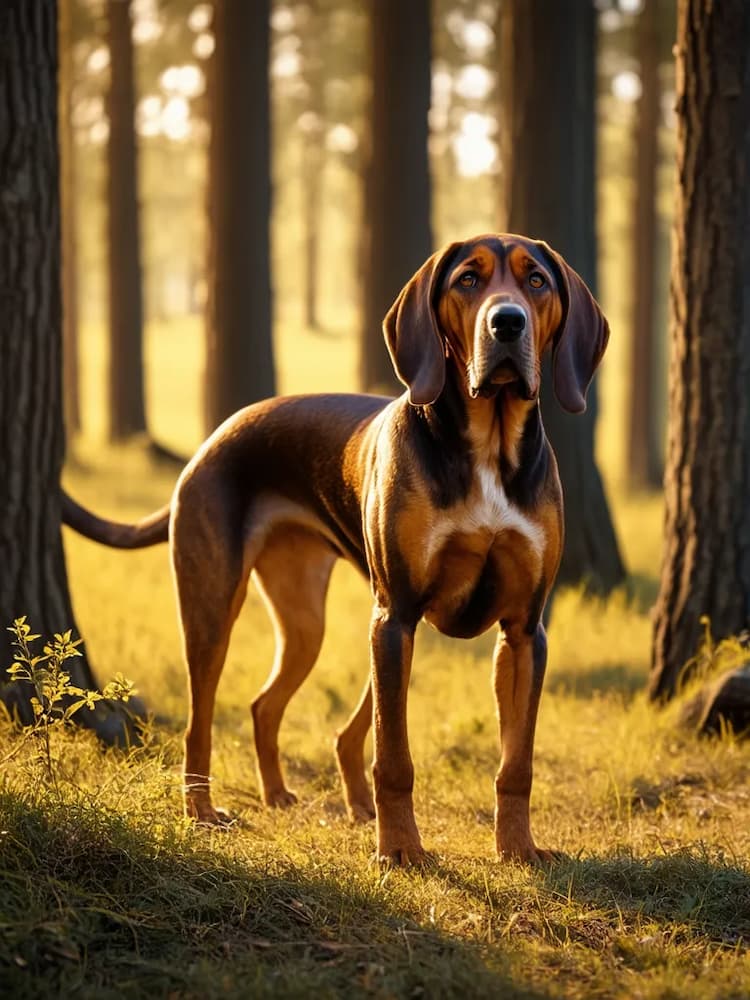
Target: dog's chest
482 559
482 519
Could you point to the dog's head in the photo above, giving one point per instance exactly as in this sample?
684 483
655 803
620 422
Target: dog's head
494 304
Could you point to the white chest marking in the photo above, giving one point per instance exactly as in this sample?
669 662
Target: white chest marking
487 508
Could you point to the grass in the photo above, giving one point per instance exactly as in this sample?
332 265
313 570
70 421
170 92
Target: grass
108 892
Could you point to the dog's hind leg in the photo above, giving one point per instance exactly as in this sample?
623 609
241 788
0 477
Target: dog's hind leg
211 573
350 742
292 573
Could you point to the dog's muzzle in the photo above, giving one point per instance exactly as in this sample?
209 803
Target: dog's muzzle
504 353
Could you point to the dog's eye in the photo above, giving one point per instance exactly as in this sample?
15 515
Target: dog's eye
468 279
537 280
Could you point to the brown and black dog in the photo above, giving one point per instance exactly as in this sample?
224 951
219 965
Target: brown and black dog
447 499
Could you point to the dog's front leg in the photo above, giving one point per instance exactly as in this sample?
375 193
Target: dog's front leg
391 647
520 661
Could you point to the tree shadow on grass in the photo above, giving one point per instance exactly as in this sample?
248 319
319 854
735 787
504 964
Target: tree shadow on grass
633 903
96 905
623 678
643 590
682 896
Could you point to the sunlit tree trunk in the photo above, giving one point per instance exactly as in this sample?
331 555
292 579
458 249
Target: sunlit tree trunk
397 236
127 413
313 155
706 564
548 92
644 465
71 398
33 580
239 347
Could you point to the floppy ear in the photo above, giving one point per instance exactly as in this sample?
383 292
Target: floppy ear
579 341
412 333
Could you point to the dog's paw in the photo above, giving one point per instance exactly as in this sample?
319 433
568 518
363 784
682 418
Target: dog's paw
361 811
208 816
280 798
404 856
529 854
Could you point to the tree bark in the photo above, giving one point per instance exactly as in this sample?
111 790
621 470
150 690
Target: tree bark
548 144
644 465
397 235
33 581
126 397
239 347
313 159
722 704
706 562
71 396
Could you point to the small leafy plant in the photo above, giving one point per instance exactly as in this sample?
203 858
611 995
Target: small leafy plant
55 699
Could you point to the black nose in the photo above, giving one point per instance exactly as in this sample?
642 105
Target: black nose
507 322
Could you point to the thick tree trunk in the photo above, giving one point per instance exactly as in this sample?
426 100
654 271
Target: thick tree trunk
33 581
239 347
548 91
397 236
644 465
127 410
71 397
706 563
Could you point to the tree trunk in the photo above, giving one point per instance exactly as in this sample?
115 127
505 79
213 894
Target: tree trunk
127 410
313 159
397 236
706 563
239 348
33 581
548 92
644 465
71 397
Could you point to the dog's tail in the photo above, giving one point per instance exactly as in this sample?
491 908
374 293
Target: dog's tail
150 530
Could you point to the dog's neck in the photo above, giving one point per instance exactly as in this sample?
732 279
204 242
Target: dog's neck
493 427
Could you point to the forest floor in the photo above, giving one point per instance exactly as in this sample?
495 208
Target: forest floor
106 891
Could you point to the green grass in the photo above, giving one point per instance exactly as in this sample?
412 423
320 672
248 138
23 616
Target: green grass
107 891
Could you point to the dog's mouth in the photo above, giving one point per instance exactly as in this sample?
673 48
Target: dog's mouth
505 375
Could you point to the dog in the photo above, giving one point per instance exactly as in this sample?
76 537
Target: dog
447 499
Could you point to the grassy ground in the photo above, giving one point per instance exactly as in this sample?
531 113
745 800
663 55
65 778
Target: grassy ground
107 892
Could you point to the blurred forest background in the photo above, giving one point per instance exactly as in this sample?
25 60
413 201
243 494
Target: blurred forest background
320 91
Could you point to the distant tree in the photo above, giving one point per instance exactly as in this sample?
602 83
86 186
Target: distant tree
127 413
71 397
312 122
239 347
549 167
33 581
706 562
397 236
644 455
